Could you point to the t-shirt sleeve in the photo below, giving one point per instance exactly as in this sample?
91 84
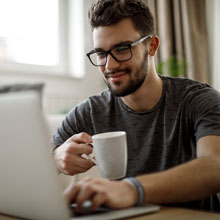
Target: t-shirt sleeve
205 112
76 121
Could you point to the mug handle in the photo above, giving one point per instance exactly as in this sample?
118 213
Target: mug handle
91 158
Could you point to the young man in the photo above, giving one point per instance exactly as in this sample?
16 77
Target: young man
172 124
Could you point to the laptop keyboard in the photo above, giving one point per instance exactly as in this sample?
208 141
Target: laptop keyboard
86 209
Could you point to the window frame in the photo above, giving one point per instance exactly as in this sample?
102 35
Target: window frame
65 27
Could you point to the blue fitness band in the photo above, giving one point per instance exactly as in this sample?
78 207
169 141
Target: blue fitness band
139 188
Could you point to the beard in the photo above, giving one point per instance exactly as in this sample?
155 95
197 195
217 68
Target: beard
134 83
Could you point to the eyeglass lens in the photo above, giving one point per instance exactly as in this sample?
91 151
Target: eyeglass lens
121 53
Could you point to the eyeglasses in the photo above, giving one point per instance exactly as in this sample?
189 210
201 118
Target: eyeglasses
120 53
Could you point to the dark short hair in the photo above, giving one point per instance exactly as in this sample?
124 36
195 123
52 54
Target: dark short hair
108 12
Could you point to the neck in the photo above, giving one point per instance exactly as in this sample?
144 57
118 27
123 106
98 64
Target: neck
149 94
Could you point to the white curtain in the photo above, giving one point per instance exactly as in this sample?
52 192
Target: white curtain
181 26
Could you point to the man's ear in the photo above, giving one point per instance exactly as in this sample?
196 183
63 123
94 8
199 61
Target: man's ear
153 45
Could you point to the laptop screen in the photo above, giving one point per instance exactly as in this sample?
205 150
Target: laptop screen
29 180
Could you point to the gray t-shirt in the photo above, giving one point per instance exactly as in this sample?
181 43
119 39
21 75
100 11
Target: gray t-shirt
158 139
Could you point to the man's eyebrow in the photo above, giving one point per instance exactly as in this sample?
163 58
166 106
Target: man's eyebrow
113 46
122 43
98 49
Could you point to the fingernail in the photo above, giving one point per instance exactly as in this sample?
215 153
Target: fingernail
90 145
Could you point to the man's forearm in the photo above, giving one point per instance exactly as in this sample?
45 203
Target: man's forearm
193 180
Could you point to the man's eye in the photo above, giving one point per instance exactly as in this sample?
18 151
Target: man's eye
100 54
122 49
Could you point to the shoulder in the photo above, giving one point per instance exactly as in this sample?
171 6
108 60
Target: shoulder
187 88
189 84
199 101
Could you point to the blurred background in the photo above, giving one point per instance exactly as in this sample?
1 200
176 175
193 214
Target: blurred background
46 41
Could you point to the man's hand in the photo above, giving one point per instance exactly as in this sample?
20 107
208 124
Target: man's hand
68 156
114 194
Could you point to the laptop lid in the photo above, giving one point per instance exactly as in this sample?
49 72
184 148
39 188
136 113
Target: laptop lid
29 186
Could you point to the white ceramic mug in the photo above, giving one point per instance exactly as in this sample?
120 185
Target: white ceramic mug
110 151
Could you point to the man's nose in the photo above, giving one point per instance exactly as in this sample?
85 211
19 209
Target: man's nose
111 63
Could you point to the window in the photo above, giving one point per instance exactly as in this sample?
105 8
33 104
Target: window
35 36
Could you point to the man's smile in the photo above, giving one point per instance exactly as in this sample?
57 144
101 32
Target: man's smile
117 75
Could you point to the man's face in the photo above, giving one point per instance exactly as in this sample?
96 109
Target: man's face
122 78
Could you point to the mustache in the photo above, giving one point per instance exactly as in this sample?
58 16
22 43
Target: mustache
107 73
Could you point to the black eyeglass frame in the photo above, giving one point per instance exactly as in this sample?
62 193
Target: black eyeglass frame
130 45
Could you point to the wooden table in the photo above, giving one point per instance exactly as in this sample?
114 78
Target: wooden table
166 213
169 213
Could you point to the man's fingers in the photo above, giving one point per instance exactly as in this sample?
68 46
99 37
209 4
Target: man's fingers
98 200
81 162
114 194
72 147
85 193
69 158
70 170
71 191
90 190
81 138
77 157
76 165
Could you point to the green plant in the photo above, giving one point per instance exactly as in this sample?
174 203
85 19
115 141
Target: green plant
173 66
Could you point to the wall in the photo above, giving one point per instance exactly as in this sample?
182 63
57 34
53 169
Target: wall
62 92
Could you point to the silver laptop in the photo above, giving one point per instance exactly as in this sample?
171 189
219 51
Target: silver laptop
29 182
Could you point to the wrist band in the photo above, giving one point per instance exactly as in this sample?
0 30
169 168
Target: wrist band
130 183
138 187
